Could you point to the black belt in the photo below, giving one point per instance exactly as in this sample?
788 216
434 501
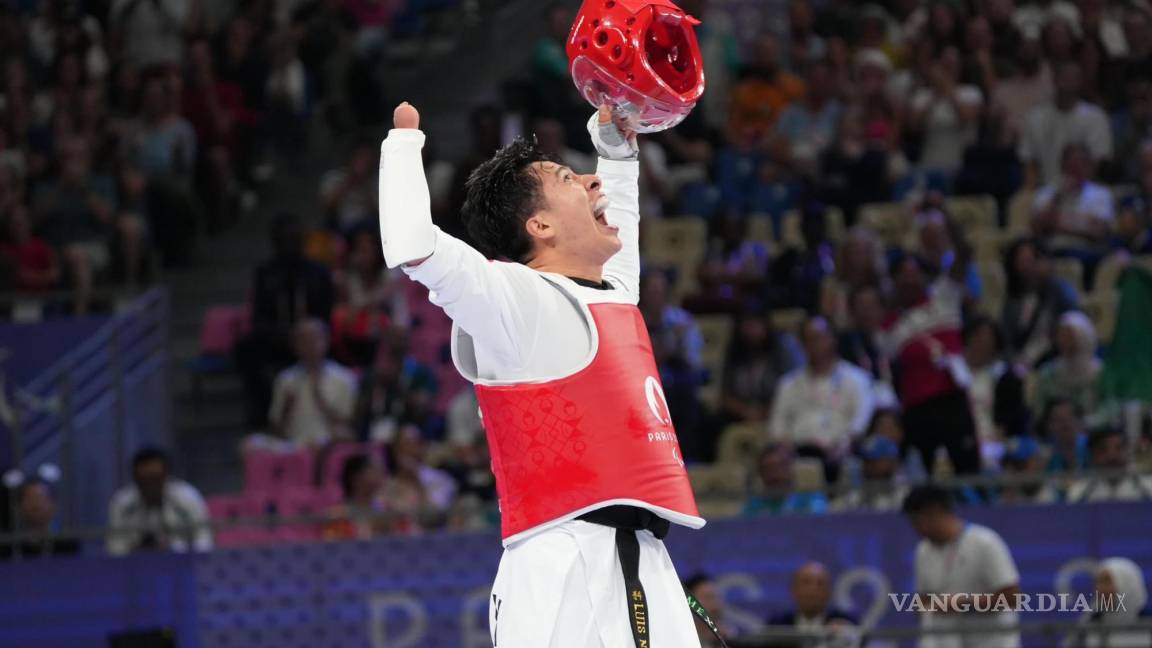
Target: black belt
627 520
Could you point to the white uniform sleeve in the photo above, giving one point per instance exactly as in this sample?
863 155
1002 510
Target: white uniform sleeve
620 179
497 304
406 229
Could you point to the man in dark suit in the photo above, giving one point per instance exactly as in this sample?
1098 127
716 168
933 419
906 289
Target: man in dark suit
811 591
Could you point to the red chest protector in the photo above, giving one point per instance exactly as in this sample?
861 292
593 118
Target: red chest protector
600 436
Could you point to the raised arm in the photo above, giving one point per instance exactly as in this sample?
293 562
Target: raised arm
618 168
496 303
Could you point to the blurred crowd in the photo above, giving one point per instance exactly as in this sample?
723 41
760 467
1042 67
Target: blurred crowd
128 127
894 240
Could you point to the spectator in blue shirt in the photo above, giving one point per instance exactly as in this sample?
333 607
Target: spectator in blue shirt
1062 426
777 480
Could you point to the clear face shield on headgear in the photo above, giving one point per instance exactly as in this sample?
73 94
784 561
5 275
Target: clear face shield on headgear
640 57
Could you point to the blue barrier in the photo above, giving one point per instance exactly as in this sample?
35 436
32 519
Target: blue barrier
101 400
432 592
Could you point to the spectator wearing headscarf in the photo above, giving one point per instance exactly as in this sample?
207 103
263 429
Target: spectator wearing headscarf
1115 577
1073 372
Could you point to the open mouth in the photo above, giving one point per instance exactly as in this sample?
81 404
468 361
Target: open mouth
599 210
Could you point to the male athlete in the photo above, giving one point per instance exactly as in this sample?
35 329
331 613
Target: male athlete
587 464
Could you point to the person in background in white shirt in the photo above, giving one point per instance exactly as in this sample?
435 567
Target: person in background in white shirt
1052 126
970 565
1073 215
157 512
947 113
822 406
313 400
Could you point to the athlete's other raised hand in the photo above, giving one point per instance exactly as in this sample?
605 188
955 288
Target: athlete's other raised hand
611 137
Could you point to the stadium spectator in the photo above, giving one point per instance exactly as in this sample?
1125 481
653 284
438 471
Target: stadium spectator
733 271
1062 427
923 337
361 516
35 513
937 233
811 592
776 491
1015 95
1132 125
822 407
348 193
462 421
795 275
969 564
763 91
418 493
758 357
884 487
370 297
285 289
1115 578
860 262
1024 460
676 345
806 128
859 343
1072 215
150 33
78 210
996 390
945 113
157 512
702 587
1133 231
313 400
396 391
1073 373
1052 126
30 262
1108 452
1034 302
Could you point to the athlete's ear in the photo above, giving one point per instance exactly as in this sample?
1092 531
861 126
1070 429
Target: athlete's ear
538 227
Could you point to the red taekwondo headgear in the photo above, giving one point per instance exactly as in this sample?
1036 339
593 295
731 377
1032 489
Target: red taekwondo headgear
640 57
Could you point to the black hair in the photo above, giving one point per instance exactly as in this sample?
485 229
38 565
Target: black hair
20 491
980 321
1097 437
151 453
1050 408
901 256
696 580
1014 282
501 195
352 468
928 497
880 414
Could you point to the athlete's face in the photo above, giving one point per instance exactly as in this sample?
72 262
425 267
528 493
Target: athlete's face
572 221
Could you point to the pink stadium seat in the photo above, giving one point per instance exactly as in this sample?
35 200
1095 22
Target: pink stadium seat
272 471
303 503
228 508
222 326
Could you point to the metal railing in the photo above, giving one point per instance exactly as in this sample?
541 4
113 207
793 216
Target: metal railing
87 411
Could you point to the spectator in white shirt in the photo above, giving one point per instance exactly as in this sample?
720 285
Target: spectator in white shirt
1052 126
969 565
822 406
1115 577
313 400
157 511
1074 215
947 113
1108 451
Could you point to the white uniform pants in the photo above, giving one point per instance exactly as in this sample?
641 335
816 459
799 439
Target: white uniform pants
563 588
